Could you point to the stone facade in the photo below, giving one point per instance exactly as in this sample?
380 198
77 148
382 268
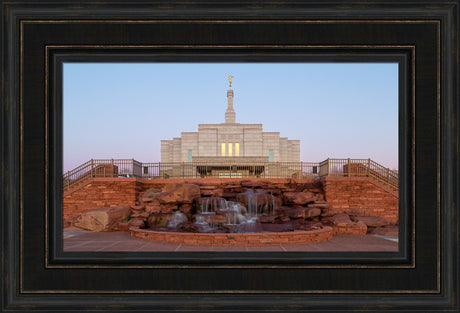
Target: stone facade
216 142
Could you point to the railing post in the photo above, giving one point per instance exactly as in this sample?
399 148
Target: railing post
388 176
92 168
368 167
349 167
328 167
113 172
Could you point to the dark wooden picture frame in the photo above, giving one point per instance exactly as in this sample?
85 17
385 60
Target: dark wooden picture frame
37 275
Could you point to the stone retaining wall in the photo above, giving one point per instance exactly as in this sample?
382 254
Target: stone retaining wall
101 192
342 193
237 239
361 193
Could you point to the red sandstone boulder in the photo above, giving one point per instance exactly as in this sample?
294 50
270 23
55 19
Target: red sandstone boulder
340 219
102 219
218 193
371 221
159 219
254 183
316 187
121 226
298 212
137 207
207 191
234 188
150 195
211 218
284 218
288 189
385 231
179 193
190 227
168 208
212 192
153 206
310 225
319 198
137 223
328 212
232 184
142 215
282 211
299 198
229 195
359 223
319 205
186 208
312 212
274 191
207 187
266 219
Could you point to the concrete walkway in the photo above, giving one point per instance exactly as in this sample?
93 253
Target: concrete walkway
79 240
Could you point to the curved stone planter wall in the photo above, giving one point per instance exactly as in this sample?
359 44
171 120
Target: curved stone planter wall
237 239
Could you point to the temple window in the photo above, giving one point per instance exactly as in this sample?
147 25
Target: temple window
223 149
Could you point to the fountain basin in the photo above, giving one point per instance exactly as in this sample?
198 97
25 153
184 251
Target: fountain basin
235 239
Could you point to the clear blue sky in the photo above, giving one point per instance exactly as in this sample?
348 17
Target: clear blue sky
337 110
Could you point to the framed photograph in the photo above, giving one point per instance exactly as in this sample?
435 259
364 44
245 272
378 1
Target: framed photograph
234 185
166 156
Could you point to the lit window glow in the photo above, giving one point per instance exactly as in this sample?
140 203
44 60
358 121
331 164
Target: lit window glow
223 149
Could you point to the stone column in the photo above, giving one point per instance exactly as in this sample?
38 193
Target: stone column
230 113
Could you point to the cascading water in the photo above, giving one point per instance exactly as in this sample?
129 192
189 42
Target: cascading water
235 213
212 204
258 203
200 220
211 209
250 210
176 219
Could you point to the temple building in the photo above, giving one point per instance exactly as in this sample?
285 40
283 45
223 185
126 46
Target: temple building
230 142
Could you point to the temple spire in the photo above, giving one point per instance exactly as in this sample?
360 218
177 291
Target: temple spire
230 113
